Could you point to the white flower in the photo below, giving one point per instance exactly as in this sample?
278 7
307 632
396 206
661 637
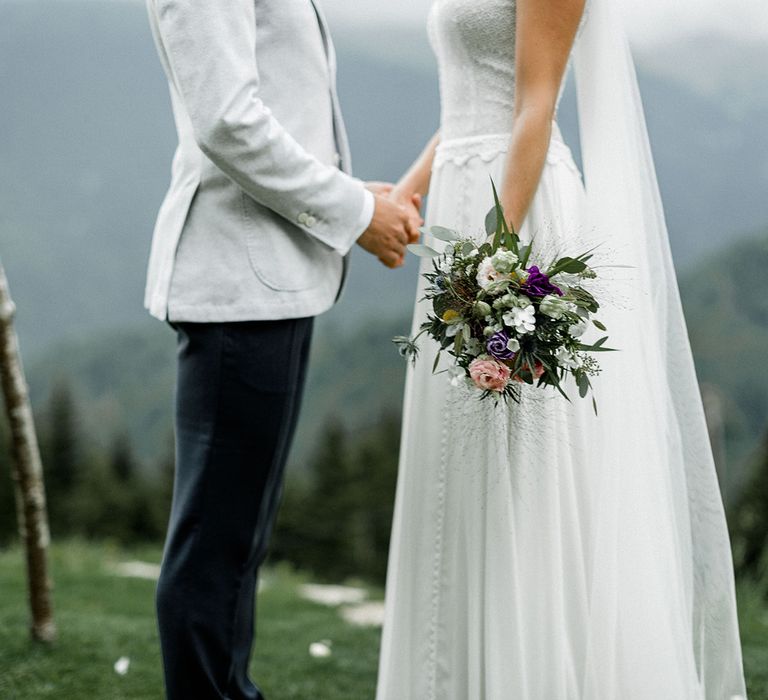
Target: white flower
122 665
446 265
523 320
454 329
504 261
578 329
566 359
553 306
513 345
473 347
487 274
456 376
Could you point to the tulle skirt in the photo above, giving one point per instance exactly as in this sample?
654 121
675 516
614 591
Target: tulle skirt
536 551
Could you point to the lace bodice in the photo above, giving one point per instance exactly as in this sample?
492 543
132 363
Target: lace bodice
474 41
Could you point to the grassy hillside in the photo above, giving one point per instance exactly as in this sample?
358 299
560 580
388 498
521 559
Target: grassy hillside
103 617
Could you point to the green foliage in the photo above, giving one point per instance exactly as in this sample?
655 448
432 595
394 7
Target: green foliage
753 622
726 306
336 521
7 498
59 434
90 492
749 521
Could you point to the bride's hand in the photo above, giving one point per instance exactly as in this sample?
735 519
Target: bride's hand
412 201
381 188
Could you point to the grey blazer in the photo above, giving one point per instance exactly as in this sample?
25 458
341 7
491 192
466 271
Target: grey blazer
261 211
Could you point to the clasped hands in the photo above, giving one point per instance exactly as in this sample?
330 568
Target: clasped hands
395 224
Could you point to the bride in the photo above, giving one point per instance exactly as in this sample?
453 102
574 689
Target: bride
540 552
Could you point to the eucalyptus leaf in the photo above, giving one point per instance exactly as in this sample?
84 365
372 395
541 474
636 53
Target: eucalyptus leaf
491 220
599 325
458 343
444 234
423 251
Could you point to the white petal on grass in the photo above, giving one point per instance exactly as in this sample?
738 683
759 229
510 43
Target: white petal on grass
138 569
370 614
122 665
321 649
332 596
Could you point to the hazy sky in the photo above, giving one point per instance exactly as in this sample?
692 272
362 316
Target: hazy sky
647 20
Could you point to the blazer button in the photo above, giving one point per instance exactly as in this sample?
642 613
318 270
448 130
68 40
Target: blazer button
303 218
311 221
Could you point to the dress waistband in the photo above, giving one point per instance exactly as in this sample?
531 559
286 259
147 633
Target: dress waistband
488 147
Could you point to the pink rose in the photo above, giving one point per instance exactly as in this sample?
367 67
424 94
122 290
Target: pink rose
489 375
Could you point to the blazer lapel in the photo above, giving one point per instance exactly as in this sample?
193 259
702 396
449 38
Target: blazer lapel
340 132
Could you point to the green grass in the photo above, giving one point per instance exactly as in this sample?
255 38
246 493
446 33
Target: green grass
102 617
753 615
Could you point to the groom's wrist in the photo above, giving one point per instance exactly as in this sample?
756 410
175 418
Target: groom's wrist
366 215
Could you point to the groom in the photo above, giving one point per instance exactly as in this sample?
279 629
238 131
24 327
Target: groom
250 243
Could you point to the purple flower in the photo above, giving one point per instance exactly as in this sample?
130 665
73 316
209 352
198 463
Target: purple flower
497 346
538 284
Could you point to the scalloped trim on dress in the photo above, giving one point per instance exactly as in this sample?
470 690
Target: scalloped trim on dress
487 147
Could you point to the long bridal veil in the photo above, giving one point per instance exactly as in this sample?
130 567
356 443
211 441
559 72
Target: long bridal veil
661 534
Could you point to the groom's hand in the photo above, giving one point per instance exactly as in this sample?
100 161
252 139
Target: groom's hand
392 228
411 202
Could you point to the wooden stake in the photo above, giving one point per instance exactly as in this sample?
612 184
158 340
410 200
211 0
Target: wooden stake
27 472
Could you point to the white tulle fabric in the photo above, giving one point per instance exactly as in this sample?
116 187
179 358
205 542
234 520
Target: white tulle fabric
540 552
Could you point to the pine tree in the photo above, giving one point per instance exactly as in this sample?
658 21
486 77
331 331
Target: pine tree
750 520
61 438
375 468
327 509
122 460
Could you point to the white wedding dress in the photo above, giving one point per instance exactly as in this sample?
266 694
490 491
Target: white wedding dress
540 552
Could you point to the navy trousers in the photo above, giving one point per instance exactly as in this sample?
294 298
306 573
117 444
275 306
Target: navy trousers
237 400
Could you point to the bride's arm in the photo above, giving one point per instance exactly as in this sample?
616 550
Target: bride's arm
416 179
545 34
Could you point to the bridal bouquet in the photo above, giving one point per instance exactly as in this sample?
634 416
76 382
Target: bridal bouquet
505 320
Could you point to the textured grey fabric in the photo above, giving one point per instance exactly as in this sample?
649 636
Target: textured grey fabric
260 211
